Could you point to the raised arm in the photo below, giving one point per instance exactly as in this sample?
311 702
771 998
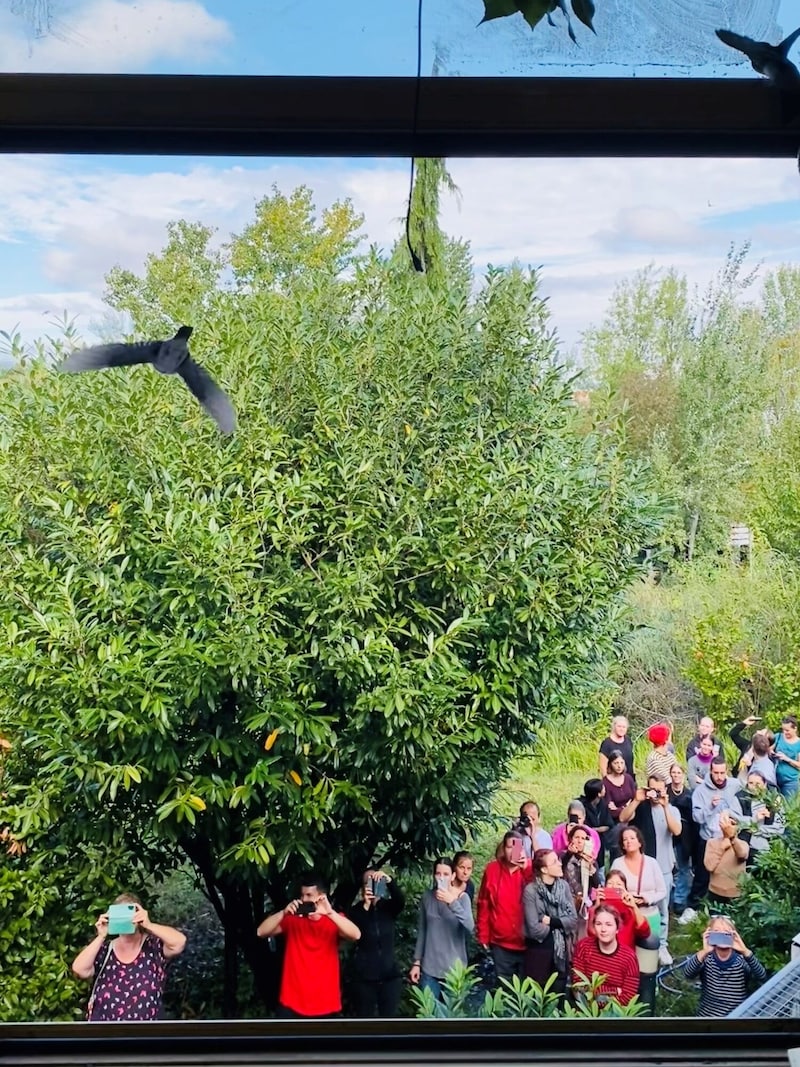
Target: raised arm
173 941
83 964
462 909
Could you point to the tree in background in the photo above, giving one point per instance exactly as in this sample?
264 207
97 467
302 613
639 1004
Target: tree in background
693 377
323 640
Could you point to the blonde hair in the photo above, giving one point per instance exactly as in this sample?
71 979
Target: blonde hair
128 898
722 922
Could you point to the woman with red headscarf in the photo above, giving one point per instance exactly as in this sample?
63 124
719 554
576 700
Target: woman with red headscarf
662 756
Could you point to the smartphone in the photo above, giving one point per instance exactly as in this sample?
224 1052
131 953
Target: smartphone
120 919
720 939
443 883
517 850
612 896
379 888
308 907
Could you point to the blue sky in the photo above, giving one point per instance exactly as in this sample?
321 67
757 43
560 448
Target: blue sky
64 221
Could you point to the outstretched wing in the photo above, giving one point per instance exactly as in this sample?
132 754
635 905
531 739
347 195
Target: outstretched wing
100 356
740 42
787 42
214 401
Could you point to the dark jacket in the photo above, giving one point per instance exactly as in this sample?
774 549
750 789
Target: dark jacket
373 957
683 802
598 815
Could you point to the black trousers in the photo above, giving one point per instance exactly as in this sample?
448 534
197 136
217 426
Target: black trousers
289 1013
508 962
381 999
702 877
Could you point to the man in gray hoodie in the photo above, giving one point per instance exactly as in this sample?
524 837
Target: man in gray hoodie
713 796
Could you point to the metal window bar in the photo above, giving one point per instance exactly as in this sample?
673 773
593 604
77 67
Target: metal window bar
778 998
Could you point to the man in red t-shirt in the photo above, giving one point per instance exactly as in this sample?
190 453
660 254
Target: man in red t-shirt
310 980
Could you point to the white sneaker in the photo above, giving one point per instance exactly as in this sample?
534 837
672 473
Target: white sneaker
664 957
686 916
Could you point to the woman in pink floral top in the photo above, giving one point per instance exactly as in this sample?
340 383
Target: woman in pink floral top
129 972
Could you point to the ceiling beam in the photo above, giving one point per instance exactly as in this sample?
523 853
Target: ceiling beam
209 115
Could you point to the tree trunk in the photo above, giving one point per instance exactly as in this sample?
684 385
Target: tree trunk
230 989
695 522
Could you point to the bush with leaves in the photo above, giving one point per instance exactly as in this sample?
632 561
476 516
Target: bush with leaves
767 912
517 998
324 639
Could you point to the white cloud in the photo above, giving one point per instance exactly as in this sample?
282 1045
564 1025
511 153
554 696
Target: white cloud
112 36
39 315
587 222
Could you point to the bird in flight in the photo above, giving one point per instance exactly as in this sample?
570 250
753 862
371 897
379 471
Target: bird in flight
771 60
168 357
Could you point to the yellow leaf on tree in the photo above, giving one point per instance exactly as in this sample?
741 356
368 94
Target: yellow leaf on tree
271 739
295 777
197 802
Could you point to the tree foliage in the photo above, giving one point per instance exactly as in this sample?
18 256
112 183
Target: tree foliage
768 910
323 640
694 376
533 11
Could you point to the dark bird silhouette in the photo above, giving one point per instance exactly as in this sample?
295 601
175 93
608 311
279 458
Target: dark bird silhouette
168 357
771 60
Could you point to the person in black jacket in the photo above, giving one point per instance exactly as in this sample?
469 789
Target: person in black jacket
597 814
378 982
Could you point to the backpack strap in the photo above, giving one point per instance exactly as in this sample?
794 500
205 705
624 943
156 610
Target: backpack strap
97 977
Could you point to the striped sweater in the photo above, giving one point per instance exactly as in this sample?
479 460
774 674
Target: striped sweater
620 967
723 982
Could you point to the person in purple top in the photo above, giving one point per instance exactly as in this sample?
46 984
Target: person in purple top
130 971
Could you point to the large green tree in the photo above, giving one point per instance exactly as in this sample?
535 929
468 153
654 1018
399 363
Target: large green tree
691 373
323 640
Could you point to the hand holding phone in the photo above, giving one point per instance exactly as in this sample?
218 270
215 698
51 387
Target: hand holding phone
120 919
305 907
517 851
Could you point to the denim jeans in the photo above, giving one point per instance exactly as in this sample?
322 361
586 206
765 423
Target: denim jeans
683 880
427 981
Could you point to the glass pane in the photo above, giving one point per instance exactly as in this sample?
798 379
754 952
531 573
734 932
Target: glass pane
98 645
343 37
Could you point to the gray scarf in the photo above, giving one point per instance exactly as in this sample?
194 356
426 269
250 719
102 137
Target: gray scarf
556 901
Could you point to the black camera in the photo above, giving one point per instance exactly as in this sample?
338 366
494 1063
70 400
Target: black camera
524 821
308 907
379 888
572 818
652 794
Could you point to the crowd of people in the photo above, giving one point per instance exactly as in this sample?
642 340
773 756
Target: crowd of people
594 896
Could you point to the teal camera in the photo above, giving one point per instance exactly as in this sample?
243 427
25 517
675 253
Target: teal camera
120 919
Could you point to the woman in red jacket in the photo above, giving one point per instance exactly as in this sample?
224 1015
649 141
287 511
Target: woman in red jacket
500 921
604 954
